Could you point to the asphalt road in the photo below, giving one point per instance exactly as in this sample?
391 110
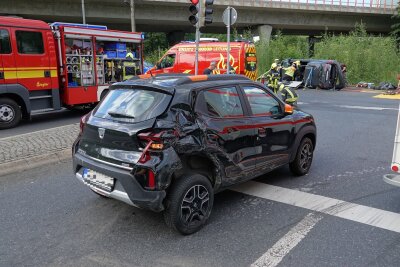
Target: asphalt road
48 218
44 121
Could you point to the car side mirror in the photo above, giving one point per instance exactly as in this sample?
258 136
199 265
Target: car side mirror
288 109
158 65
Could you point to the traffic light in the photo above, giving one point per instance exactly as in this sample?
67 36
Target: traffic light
194 9
207 10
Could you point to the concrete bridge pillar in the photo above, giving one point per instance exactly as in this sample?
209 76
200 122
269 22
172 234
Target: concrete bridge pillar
175 37
264 31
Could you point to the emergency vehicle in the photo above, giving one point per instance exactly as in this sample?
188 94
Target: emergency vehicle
181 58
46 67
394 178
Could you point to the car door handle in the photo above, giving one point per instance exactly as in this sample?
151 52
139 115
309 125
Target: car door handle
262 132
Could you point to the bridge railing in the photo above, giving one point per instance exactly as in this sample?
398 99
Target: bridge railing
360 5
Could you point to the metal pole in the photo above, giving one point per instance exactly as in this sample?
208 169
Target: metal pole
196 60
83 11
133 25
228 37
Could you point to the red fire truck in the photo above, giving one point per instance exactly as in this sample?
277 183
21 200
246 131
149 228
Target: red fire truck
46 67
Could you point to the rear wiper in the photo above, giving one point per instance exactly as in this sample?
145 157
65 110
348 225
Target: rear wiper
120 115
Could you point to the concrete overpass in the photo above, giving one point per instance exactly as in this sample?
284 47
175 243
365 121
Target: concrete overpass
291 16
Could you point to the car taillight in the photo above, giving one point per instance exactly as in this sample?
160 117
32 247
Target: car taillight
152 141
82 123
151 180
395 168
146 178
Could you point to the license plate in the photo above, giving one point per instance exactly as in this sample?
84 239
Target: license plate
98 180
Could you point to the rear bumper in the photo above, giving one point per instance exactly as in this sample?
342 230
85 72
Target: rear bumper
127 189
393 179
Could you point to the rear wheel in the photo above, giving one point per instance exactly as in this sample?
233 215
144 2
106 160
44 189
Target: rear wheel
302 162
10 113
189 204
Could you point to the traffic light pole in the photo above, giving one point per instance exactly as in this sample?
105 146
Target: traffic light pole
196 61
228 37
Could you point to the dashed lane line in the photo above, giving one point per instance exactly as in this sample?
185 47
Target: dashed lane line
366 107
342 209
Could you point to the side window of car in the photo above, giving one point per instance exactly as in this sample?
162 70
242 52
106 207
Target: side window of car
5 46
261 102
29 42
222 102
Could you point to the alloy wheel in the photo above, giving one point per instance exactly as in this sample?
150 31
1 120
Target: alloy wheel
195 204
306 156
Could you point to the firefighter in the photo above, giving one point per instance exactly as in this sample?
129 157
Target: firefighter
129 55
289 72
288 94
273 77
211 68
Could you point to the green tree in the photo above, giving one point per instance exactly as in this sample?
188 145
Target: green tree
368 58
155 45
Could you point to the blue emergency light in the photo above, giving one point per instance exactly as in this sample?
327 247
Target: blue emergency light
87 26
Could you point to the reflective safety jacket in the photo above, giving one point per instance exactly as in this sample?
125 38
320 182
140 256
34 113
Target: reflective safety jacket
288 94
289 71
273 79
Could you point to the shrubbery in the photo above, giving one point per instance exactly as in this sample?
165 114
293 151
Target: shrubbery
368 58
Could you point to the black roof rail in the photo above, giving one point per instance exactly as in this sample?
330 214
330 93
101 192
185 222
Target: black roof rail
210 78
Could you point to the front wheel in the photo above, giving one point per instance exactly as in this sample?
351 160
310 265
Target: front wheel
10 113
189 204
304 156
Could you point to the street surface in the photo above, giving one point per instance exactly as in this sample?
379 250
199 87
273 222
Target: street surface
340 214
44 121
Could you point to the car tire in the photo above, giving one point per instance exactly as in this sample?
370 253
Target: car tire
304 156
10 113
189 204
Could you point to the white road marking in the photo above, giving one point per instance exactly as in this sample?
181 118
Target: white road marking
364 107
354 212
289 241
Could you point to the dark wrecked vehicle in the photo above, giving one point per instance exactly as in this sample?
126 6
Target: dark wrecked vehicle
319 73
168 143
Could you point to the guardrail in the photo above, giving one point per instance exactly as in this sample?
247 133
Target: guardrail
385 4
354 5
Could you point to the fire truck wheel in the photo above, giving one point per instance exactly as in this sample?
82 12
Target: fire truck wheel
10 113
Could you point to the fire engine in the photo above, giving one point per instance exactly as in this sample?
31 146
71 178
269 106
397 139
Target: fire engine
180 58
45 67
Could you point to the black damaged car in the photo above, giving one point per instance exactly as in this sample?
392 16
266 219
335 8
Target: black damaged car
169 143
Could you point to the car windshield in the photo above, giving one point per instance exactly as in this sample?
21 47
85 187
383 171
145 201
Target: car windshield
132 105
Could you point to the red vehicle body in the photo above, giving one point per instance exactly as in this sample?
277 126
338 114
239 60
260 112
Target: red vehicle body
180 58
46 67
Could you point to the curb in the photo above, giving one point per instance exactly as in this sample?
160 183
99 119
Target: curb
34 162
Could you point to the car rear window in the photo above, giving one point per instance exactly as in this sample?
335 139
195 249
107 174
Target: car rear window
132 105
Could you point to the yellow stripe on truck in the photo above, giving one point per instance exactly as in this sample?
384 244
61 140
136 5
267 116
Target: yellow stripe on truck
31 68
27 74
10 75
